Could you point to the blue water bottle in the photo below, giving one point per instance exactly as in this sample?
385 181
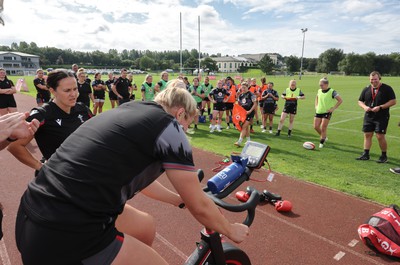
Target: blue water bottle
228 175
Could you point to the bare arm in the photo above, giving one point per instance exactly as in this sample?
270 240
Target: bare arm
202 208
114 89
339 101
158 192
19 150
388 104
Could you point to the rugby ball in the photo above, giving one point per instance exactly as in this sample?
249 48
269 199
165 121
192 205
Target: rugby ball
309 145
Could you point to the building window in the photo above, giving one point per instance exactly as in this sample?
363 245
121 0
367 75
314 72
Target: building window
8 58
224 65
9 65
230 65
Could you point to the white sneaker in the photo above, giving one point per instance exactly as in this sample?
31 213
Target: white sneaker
326 139
270 131
210 126
212 130
228 127
219 130
263 131
321 145
262 127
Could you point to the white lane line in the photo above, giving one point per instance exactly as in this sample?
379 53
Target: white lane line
5 259
311 233
339 255
353 243
171 246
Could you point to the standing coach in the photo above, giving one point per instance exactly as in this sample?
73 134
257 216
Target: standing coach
376 99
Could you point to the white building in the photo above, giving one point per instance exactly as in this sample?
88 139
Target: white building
18 63
257 57
230 64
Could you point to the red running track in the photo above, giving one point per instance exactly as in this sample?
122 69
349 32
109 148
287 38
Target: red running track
322 229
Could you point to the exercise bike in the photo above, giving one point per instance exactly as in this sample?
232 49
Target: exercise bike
212 249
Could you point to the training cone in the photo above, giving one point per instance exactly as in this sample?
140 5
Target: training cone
242 196
283 206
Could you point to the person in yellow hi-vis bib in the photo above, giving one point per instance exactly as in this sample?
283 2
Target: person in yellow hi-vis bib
290 95
326 102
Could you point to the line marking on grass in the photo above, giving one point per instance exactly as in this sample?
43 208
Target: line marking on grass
339 255
343 121
353 243
5 259
171 246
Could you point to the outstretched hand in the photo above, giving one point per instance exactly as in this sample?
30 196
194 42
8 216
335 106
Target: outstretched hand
13 125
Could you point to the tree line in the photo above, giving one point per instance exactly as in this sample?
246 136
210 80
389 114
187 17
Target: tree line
332 60
335 60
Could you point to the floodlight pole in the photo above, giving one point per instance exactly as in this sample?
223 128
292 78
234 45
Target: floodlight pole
199 47
302 52
180 25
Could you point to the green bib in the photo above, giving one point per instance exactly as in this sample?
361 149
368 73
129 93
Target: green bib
149 91
325 101
207 89
164 84
292 94
198 90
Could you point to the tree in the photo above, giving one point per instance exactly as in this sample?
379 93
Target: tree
292 63
312 64
146 63
210 64
266 64
191 63
328 61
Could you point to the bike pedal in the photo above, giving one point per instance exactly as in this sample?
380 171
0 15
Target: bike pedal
270 197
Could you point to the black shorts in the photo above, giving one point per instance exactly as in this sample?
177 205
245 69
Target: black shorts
206 99
268 109
261 104
250 116
219 106
42 98
112 95
290 108
327 115
7 101
375 125
123 100
228 106
199 106
40 244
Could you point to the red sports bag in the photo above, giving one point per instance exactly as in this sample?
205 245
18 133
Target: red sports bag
382 231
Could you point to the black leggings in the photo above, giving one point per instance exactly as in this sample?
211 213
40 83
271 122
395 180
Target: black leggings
42 245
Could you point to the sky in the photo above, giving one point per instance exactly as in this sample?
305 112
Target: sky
229 27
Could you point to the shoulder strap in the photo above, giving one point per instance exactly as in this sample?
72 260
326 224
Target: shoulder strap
392 216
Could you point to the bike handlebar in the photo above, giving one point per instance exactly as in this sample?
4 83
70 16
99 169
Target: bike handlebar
249 206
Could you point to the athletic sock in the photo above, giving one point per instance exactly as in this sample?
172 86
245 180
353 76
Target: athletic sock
240 140
270 128
195 126
322 141
366 151
209 111
227 123
278 132
384 154
251 127
289 132
248 138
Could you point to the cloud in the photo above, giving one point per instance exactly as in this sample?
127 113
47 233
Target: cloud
227 26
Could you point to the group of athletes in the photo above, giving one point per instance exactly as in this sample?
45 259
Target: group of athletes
75 212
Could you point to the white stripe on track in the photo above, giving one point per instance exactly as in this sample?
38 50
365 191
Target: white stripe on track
171 246
326 240
5 259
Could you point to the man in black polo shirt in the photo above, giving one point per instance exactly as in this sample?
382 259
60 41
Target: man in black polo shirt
376 99
122 88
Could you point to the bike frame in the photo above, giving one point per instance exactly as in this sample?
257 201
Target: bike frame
211 243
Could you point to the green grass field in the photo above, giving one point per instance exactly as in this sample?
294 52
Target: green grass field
333 166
